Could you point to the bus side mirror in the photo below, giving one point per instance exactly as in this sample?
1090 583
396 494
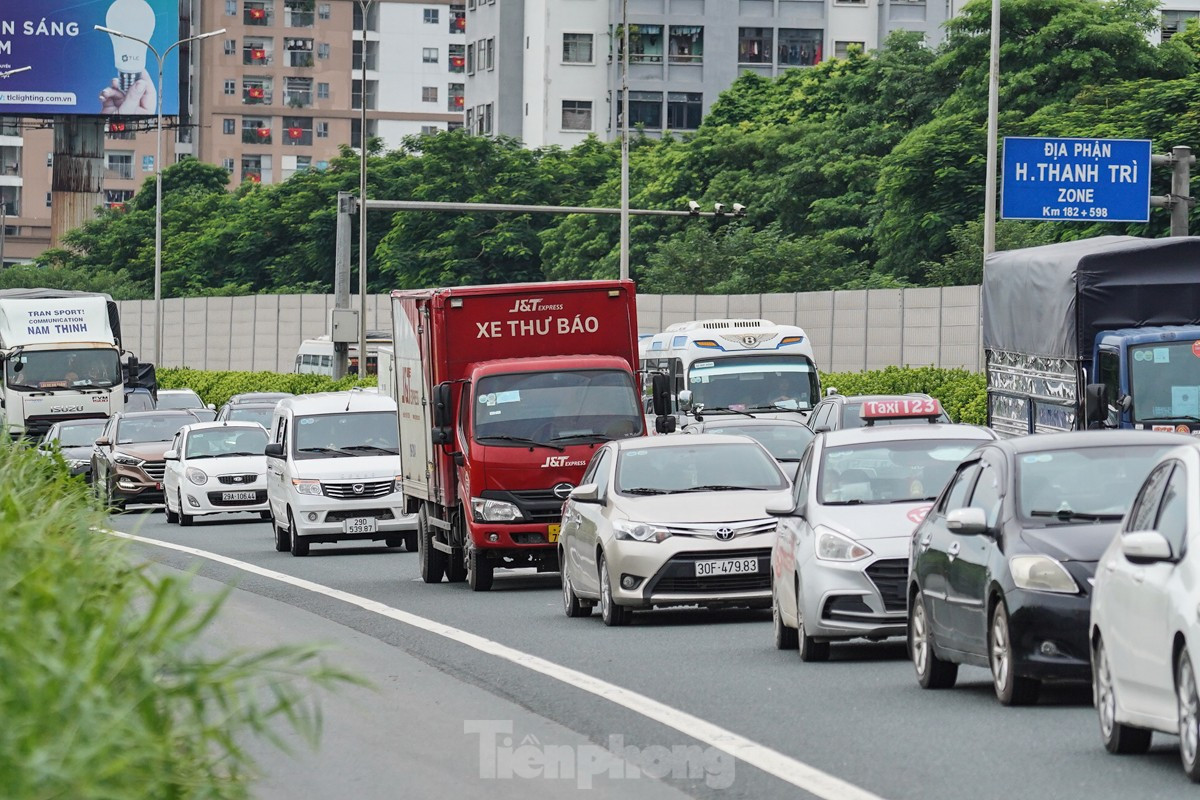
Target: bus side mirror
1095 399
662 393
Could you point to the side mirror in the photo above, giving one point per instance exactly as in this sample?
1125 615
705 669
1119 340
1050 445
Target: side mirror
442 399
665 424
967 521
211 406
273 450
1095 399
587 493
781 508
104 441
1146 547
661 388
440 436
822 429
685 400
171 455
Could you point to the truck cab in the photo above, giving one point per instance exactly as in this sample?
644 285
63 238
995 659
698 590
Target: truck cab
1151 377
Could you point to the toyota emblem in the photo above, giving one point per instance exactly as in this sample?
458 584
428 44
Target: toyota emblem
562 490
358 488
724 534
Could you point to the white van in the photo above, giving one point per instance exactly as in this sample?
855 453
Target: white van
333 468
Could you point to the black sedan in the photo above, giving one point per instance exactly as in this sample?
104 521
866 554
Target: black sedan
1000 570
785 439
74 439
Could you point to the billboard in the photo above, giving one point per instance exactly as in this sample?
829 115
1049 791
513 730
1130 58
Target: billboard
76 69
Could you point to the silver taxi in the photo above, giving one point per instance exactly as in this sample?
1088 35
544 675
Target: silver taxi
839 563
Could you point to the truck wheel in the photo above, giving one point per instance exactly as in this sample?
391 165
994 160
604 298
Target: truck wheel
299 546
479 571
433 562
456 564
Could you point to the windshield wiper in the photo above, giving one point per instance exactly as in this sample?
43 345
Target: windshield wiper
321 450
1188 417
389 451
646 490
726 409
597 437
722 487
1066 514
844 503
503 437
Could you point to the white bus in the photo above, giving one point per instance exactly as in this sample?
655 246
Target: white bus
736 364
315 356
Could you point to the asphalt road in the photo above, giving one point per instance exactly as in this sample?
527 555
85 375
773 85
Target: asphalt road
431 725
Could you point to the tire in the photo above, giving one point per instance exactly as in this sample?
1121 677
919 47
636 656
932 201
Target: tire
932 672
185 519
1188 698
785 638
612 614
572 605
393 541
456 565
433 562
410 541
1011 689
479 572
110 503
811 651
1117 737
283 539
299 545
172 517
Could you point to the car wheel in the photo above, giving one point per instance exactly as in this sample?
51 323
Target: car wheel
433 562
932 672
299 545
785 637
172 517
1118 737
1011 689
479 571
185 519
283 539
613 615
572 605
1189 715
810 649
110 503
410 541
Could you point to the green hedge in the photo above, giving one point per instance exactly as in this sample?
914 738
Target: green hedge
217 387
103 694
963 394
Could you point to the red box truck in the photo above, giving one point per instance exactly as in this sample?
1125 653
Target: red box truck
504 392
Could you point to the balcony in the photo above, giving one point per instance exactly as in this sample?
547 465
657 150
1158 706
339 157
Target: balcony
300 59
296 17
257 97
258 17
256 136
299 137
119 172
298 99
257 56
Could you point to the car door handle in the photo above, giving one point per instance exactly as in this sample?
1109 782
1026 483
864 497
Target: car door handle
1139 576
1111 564
952 551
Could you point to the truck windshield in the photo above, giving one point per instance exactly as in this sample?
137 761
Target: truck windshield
1166 381
357 433
556 407
754 382
92 368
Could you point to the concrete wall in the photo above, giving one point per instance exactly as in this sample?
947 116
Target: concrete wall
850 330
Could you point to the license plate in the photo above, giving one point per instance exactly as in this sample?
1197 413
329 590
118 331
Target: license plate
359 525
726 566
552 532
234 496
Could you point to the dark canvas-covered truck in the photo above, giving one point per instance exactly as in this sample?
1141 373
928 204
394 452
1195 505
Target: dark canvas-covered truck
1096 333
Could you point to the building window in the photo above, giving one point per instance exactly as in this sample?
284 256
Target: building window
684 110
470 120
322 129
324 11
455 94
458 57
231 8
800 47
300 52
842 49
487 119
645 44
427 130
256 91
227 164
429 55
230 87
297 131
428 94
431 16
258 52
372 55
577 115
297 92
322 91
230 47
256 130
1175 21
491 53
258 12
686 45
227 127
645 109
119 166
754 45
323 50
49 199
577 48
298 13
471 59
458 20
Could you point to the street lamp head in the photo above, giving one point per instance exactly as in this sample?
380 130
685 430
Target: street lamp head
209 34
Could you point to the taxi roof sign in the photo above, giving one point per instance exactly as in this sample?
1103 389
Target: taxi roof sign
901 408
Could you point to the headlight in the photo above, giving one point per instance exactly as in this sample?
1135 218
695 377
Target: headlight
126 460
399 484
836 547
639 531
305 486
494 510
1041 574
196 476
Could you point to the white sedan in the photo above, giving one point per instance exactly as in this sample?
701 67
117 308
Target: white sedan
216 468
1145 634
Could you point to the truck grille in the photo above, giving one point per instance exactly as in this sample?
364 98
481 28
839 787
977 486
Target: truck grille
890 576
537 505
237 479
155 469
359 490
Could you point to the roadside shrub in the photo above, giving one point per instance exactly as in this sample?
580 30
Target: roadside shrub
963 394
103 692
217 387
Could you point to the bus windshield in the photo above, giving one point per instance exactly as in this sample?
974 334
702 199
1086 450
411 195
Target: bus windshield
748 383
91 368
556 407
1166 382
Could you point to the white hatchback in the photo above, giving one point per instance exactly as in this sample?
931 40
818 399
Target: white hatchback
216 468
1144 630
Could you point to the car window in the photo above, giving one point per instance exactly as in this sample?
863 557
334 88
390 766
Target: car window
1062 486
600 476
987 493
957 496
902 470
1141 516
821 416
1172 511
694 467
803 479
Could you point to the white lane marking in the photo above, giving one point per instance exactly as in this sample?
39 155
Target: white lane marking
785 768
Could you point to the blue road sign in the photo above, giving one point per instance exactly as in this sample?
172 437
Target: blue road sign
1076 180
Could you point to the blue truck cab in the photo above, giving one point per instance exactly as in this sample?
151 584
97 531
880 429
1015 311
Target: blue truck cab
1151 377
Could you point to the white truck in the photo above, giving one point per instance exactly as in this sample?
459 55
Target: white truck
61 357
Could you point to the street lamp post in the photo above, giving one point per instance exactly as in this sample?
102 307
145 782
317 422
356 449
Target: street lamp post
365 6
624 140
158 313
